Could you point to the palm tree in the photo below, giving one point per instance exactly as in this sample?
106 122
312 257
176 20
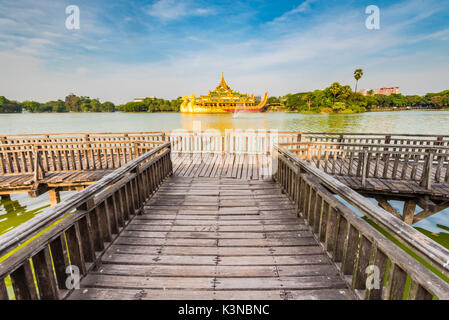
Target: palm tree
358 73
335 89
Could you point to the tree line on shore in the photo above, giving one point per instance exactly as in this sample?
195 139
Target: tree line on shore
339 98
151 105
74 103
336 98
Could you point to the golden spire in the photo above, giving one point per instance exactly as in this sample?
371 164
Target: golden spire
222 86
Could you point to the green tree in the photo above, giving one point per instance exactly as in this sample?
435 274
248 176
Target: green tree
335 89
308 98
85 107
107 107
95 105
413 101
339 106
437 101
32 106
272 100
358 73
7 106
397 100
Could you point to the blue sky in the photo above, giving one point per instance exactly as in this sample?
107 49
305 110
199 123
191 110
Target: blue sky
169 48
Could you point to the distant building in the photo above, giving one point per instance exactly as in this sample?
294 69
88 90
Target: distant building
383 91
141 99
69 99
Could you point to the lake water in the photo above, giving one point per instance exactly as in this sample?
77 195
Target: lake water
22 208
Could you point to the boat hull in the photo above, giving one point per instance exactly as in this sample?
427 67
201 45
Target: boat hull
192 108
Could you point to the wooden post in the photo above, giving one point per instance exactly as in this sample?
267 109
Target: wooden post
39 173
136 149
86 137
309 152
46 280
408 213
54 196
23 282
364 167
60 260
427 174
383 203
3 290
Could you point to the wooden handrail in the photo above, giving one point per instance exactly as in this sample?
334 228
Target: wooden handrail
429 250
280 131
403 160
70 156
375 134
363 145
29 228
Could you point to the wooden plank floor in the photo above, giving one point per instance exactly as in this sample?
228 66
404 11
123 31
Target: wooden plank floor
395 187
215 238
239 166
343 167
56 179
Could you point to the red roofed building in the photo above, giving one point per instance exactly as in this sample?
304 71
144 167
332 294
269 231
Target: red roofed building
384 91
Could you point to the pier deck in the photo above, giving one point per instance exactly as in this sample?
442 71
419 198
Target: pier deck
247 167
237 225
215 238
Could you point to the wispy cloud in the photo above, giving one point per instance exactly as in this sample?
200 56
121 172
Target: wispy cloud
7 22
303 7
176 9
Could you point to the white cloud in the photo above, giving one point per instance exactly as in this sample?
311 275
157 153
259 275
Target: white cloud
303 7
442 35
7 22
176 9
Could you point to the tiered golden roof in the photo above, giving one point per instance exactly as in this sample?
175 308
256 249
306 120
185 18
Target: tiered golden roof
222 99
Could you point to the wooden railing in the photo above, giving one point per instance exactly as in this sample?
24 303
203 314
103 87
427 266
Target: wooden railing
398 162
49 157
101 211
286 136
376 138
353 244
80 137
229 141
211 141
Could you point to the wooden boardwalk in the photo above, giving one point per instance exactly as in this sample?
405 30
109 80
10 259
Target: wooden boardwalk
160 227
239 166
215 238
248 167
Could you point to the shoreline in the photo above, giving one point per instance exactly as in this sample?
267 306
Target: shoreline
282 111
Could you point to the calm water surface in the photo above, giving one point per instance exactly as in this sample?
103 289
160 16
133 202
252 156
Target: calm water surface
22 208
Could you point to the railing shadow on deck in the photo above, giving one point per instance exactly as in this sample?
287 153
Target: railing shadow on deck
422 164
77 231
354 245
